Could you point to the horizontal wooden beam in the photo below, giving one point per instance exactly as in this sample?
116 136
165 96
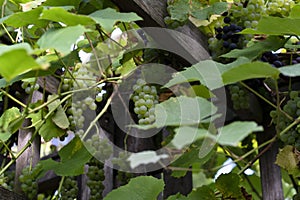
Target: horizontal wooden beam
153 13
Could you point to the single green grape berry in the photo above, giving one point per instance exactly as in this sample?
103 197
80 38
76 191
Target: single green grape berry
273 113
135 98
147 89
293 94
65 87
143 110
99 97
149 103
140 82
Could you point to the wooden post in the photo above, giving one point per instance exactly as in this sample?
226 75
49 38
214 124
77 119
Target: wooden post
32 154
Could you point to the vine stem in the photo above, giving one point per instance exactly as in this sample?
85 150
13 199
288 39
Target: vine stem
93 123
14 99
259 95
31 139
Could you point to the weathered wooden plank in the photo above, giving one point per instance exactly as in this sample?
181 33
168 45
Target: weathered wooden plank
9 195
153 13
49 83
270 172
32 154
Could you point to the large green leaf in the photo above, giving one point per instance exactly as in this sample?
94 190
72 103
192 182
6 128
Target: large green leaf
291 71
189 158
276 26
254 51
249 71
205 13
16 62
180 10
7 48
288 160
50 130
73 158
203 193
235 132
26 18
228 185
61 39
74 3
186 135
6 119
108 17
58 14
59 118
182 111
295 12
139 188
208 72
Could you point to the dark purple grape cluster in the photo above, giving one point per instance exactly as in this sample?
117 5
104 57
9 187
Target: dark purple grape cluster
280 60
228 34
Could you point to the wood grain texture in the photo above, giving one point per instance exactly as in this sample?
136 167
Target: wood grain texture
153 13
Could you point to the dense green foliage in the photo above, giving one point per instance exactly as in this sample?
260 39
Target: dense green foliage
254 46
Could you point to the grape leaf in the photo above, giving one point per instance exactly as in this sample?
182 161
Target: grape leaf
73 158
7 48
275 26
295 12
272 43
16 62
208 72
20 19
183 111
74 3
139 188
108 17
235 132
59 118
58 14
287 159
291 70
61 39
9 116
49 130
189 158
205 13
228 185
180 10
249 71
186 135
203 193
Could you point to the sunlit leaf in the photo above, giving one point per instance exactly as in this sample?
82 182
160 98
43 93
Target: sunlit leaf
58 14
61 39
108 17
139 188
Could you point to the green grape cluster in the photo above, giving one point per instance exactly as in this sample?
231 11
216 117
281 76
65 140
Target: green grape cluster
122 160
7 180
280 7
240 16
28 180
281 120
145 98
239 96
30 85
82 78
95 176
123 177
69 189
99 147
